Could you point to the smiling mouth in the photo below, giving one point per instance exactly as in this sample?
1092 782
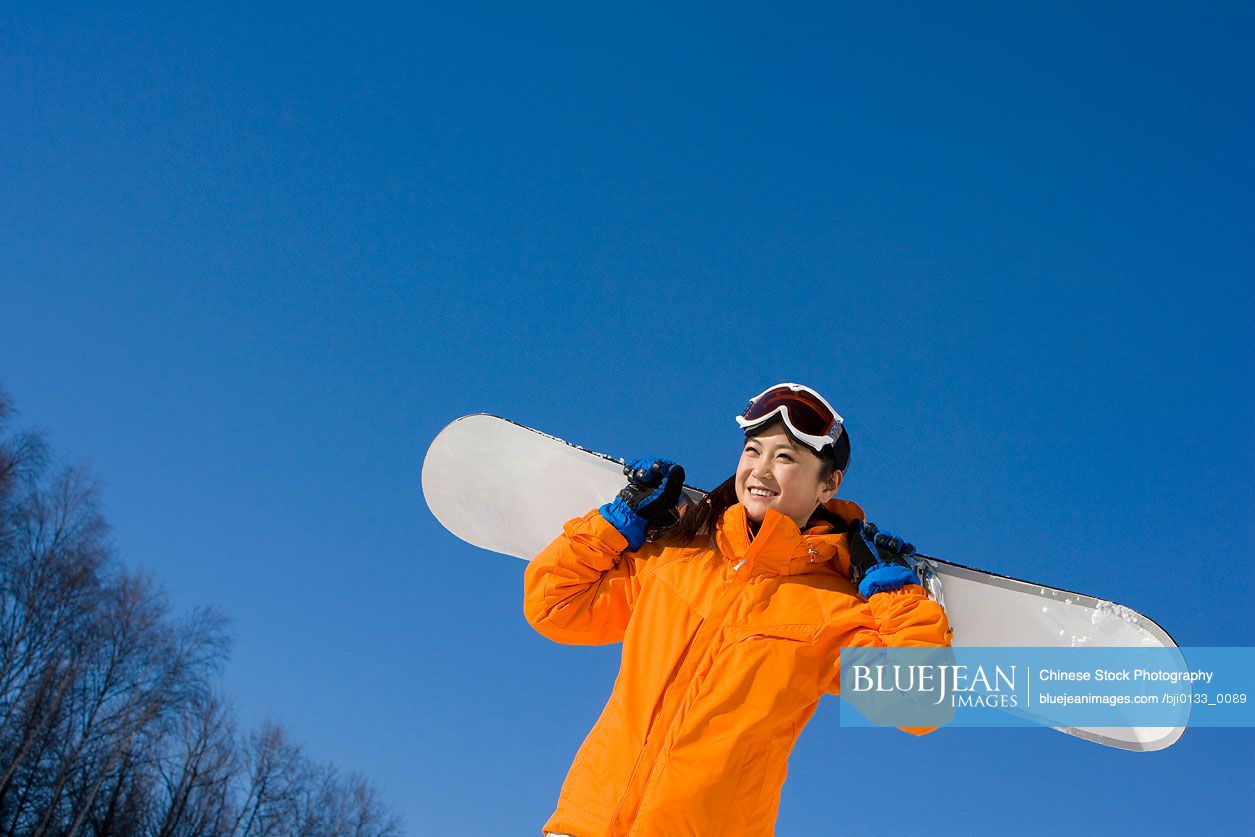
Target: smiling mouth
755 491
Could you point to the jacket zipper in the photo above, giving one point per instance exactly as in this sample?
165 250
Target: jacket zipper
659 736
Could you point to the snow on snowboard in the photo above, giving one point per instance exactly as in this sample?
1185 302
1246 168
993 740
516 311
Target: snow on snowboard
484 479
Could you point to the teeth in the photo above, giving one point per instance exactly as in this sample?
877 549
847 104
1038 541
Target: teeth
761 492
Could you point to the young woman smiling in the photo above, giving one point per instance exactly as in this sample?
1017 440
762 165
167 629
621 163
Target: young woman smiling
731 617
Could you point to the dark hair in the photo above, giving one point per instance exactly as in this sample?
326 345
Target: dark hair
699 519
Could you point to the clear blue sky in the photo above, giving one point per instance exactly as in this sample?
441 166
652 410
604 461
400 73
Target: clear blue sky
252 260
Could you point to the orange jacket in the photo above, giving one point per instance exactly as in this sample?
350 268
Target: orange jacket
725 656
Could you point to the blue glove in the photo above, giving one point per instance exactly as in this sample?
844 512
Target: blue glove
648 502
878 570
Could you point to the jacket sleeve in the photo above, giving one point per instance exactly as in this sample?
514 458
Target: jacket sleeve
907 618
580 589
903 618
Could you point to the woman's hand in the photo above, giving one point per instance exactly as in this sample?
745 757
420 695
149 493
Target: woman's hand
878 570
648 501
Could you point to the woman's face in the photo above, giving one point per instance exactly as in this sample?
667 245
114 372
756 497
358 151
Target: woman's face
776 472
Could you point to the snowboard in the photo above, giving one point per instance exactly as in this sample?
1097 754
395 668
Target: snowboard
508 488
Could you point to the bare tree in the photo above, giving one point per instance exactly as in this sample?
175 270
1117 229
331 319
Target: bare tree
197 769
109 722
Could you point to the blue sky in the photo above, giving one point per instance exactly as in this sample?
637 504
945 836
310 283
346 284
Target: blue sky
255 258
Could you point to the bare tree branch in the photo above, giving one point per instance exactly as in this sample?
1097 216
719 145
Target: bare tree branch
109 722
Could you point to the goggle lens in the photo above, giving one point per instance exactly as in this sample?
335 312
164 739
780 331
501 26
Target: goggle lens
806 412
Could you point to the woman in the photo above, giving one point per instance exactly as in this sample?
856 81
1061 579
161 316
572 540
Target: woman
731 622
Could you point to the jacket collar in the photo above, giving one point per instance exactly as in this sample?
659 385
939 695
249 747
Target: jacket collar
780 548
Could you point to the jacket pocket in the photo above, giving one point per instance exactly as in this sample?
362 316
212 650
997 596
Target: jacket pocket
776 666
802 634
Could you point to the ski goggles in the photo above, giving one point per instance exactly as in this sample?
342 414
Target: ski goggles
805 412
